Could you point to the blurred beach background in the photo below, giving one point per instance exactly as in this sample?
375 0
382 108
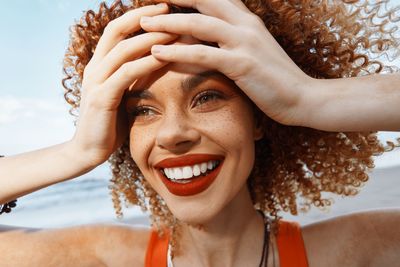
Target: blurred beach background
33 115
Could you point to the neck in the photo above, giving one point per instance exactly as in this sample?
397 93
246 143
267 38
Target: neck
234 237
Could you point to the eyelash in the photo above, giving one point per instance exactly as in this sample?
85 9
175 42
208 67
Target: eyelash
136 112
214 95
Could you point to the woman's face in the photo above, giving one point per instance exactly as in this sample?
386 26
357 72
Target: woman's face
192 136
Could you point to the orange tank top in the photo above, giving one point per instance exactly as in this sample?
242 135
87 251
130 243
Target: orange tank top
289 240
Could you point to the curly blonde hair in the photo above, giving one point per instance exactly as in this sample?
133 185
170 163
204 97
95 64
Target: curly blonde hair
326 39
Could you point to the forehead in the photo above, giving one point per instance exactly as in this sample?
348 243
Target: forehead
185 76
174 73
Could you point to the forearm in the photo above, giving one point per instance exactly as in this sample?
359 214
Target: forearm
369 103
28 172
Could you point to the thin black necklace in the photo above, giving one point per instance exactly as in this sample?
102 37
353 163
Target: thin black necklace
265 249
266 240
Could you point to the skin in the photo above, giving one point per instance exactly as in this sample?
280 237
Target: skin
116 64
279 88
355 240
251 57
362 239
176 122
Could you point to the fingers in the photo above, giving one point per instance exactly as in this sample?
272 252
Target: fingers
200 26
206 56
119 28
222 9
128 50
115 86
241 5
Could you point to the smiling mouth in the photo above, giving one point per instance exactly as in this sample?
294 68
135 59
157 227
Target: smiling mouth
185 174
191 179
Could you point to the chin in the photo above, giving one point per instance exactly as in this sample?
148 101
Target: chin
195 214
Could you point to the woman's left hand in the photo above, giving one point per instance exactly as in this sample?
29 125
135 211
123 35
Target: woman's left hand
247 54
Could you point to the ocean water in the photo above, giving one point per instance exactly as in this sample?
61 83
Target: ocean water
86 200
82 200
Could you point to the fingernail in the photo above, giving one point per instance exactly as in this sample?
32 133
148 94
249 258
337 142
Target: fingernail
157 49
161 5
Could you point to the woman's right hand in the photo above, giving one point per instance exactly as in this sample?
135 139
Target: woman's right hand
116 64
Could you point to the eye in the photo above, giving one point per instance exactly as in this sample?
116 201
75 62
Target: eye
142 111
207 97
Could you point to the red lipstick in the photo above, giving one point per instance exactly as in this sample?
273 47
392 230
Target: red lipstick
195 185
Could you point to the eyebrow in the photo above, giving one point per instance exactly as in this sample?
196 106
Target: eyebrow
187 84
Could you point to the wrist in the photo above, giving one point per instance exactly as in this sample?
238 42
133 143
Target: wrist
6 207
323 104
309 101
84 158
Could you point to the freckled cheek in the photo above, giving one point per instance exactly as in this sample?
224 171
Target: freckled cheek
141 140
232 125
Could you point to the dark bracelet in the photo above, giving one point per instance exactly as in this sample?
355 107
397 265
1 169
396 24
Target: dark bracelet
6 208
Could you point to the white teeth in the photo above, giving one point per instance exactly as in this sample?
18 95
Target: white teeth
203 167
187 172
171 173
209 165
178 174
196 170
166 172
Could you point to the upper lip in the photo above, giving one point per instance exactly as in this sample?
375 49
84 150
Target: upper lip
187 160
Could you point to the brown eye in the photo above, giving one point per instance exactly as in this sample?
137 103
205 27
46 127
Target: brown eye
206 97
142 111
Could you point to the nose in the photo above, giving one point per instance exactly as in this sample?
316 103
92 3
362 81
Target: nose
177 134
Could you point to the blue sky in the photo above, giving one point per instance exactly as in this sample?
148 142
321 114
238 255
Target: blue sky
32 110
34 38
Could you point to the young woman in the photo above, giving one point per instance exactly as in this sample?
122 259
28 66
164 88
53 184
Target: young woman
212 126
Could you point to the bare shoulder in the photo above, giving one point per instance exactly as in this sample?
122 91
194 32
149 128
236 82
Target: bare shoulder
369 238
120 245
87 245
